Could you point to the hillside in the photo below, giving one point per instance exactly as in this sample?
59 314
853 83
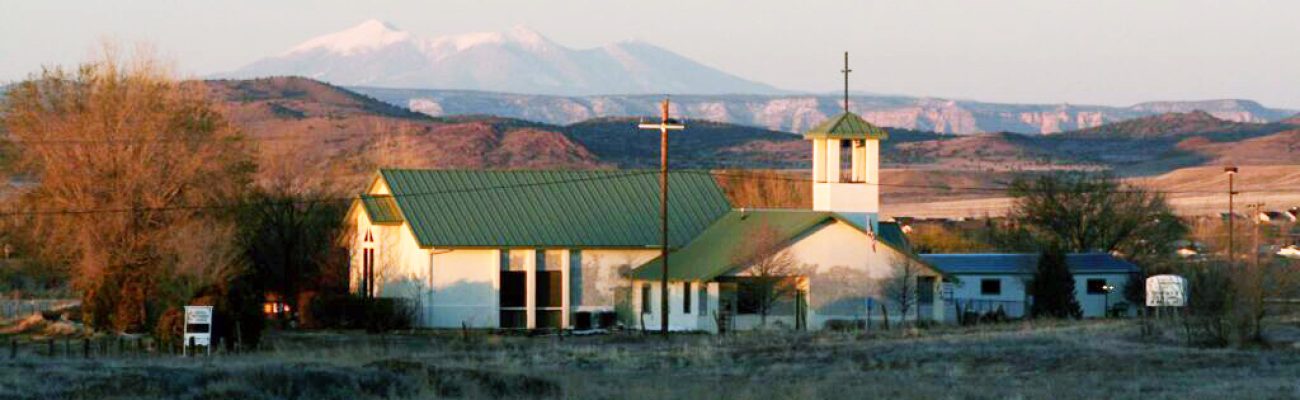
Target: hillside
305 128
360 133
1174 124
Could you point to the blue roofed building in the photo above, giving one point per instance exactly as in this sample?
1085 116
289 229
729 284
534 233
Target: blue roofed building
984 283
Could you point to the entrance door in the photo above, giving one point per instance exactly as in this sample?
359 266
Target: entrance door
727 306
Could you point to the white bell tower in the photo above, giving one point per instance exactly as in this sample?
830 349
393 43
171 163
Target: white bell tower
855 193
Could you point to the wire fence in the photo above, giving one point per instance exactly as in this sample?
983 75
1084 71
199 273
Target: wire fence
15 309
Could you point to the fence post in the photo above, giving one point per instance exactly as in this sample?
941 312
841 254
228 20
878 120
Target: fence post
51 346
85 347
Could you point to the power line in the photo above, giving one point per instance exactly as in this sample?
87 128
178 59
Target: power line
610 176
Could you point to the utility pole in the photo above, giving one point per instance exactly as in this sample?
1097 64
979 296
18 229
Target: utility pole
1254 249
1231 171
665 124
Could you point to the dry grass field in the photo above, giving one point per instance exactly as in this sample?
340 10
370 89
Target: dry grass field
1070 360
1192 191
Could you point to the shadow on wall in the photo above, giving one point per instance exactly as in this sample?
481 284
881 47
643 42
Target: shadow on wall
468 302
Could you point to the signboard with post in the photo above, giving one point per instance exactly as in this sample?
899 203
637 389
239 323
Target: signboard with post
198 328
1166 291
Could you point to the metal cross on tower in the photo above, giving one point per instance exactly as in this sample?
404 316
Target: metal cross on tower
665 124
846 72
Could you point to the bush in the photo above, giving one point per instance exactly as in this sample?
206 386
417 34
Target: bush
355 312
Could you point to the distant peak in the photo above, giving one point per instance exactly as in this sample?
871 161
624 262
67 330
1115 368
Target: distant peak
525 34
375 25
370 34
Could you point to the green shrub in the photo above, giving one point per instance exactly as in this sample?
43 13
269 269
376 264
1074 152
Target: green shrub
355 312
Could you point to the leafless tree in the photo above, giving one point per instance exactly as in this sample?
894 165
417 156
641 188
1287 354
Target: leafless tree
900 286
126 161
770 272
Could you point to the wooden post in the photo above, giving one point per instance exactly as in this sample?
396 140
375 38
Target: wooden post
85 347
884 312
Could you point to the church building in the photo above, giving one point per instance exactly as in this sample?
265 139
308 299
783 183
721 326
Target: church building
549 249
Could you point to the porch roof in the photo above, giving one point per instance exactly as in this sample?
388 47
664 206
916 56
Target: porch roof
713 252
1023 264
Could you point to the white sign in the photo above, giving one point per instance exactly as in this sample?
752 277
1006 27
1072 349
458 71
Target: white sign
1166 291
198 327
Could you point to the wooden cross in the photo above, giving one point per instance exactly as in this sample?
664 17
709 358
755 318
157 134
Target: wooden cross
665 124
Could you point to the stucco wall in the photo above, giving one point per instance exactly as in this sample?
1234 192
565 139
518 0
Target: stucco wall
600 278
679 319
465 284
845 269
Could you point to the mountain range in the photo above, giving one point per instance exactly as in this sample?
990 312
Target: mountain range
519 73
798 112
375 53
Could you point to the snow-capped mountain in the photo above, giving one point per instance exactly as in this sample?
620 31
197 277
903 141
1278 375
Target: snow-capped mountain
520 60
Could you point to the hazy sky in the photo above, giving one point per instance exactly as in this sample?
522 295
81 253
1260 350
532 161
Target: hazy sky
1083 52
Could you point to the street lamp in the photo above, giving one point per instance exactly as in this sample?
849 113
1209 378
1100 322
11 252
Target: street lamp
1231 171
1106 289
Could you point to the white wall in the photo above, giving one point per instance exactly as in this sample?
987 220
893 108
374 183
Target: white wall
465 287
602 277
679 319
1094 305
846 269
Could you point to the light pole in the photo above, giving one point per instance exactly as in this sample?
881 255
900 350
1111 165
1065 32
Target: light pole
665 124
1231 171
1106 289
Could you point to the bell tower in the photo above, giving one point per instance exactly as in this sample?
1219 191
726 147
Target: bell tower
855 193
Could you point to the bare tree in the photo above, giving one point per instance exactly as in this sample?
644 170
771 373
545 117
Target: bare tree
770 272
901 285
126 160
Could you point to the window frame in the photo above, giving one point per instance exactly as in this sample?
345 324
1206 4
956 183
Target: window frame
1088 288
984 288
686 297
646 292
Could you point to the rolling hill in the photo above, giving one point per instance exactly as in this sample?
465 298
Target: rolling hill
305 128
360 132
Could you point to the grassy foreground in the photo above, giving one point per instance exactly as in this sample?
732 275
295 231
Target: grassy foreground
1083 360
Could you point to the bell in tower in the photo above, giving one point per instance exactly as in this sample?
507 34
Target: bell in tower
855 193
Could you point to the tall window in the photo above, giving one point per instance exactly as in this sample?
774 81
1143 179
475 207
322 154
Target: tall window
704 299
367 288
514 292
548 293
686 297
645 298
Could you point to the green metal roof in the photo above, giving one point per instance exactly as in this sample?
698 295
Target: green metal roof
381 209
846 126
450 208
712 253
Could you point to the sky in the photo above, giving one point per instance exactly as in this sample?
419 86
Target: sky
1018 51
